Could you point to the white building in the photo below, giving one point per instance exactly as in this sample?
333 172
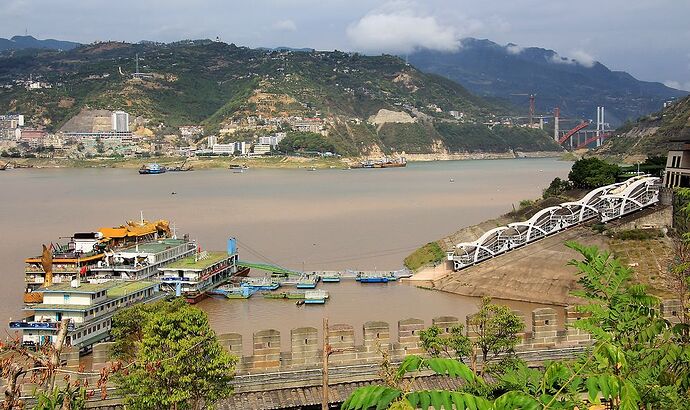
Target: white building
273 140
261 149
211 141
11 121
677 173
228 149
120 121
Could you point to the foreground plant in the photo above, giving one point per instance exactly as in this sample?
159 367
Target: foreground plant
639 360
176 361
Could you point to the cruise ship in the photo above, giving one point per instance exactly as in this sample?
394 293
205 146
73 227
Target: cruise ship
106 272
89 308
59 263
142 260
194 275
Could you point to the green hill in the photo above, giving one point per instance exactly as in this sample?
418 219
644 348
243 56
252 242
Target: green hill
220 85
652 135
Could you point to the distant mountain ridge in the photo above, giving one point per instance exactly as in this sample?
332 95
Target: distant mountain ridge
492 70
24 42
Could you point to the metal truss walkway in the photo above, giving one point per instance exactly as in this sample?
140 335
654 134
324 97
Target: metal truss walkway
603 204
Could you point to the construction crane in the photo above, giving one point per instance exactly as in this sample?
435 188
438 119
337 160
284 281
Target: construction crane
532 98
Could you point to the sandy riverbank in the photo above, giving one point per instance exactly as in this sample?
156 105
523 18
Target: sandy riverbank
256 162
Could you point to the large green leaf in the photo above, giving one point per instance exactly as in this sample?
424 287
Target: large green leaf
379 397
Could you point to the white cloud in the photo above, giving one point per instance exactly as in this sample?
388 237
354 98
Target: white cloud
558 59
678 85
403 30
514 49
583 58
285 25
579 57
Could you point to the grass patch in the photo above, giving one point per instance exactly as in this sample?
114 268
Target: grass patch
431 253
638 234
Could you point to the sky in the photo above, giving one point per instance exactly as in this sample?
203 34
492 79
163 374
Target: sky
648 38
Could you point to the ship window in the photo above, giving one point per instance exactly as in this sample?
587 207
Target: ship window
66 297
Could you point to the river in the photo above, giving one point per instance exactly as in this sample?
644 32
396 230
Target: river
321 220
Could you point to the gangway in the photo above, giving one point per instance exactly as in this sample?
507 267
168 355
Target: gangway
268 267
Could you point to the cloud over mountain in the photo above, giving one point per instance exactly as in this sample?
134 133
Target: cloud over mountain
402 29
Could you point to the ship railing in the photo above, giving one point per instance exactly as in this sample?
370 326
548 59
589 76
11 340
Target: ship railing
173 279
39 325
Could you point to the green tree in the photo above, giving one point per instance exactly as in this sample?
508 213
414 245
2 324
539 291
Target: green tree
452 344
305 141
178 362
591 173
493 334
495 331
556 188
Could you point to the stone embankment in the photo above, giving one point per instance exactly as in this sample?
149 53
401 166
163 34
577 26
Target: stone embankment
461 156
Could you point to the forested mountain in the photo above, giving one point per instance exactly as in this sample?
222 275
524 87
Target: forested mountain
492 70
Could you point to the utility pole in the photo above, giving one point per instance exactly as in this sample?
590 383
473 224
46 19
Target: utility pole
326 352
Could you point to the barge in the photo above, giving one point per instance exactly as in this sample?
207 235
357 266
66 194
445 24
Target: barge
152 169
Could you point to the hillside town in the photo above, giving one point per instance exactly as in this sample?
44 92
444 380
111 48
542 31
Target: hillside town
103 133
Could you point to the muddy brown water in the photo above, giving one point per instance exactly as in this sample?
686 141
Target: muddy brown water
322 220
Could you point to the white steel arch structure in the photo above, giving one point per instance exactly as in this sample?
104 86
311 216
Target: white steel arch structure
605 203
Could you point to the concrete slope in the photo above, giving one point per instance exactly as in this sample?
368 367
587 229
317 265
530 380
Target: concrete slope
535 273
539 272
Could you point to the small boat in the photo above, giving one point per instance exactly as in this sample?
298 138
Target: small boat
196 297
233 292
284 295
331 278
238 166
311 169
150 169
308 282
260 284
315 297
452 180
375 278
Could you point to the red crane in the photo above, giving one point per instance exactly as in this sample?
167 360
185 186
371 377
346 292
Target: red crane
532 98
